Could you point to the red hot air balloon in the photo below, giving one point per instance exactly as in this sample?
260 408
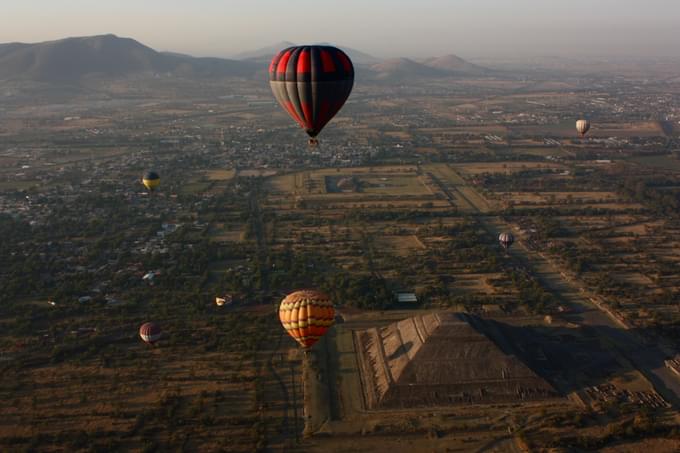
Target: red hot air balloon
312 84
150 332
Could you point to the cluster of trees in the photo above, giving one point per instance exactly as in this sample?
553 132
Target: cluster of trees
92 231
548 227
361 291
367 215
531 294
530 180
583 211
468 243
577 259
660 194
467 155
643 425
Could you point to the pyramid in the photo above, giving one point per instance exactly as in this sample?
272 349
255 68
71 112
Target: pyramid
443 359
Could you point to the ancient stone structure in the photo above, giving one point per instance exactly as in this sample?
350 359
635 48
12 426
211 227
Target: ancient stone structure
438 360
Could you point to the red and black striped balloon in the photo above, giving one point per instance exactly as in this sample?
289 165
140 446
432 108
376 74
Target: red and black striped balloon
311 83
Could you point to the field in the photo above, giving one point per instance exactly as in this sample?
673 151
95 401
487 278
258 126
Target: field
567 129
381 187
400 245
135 391
506 167
220 175
566 333
452 184
660 162
225 233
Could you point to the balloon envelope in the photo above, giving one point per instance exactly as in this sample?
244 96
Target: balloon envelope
311 83
151 180
220 301
150 332
306 315
506 239
583 126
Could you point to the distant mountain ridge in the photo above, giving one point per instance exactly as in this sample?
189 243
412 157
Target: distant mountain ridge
405 67
265 54
390 69
439 67
71 59
455 64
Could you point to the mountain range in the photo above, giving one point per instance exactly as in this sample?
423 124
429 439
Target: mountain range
70 59
73 59
265 54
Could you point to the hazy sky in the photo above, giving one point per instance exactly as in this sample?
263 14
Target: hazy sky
470 28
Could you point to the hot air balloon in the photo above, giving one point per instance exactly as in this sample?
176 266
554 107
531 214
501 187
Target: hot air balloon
311 83
583 126
306 315
221 301
506 240
151 180
150 332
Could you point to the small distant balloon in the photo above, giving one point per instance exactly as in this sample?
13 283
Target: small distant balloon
583 126
150 332
151 180
221 301
506 240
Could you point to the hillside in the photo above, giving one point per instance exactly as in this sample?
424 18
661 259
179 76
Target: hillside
71 59
455 64
397 68
264 53
437 67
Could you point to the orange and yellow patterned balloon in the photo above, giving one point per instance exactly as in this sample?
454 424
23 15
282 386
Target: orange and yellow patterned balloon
307 315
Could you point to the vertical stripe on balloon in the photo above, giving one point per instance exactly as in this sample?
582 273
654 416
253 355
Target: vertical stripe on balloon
283 62
304 62
327 61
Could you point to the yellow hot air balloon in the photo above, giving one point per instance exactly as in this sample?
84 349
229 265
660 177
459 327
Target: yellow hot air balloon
583 126
307 315
151 180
